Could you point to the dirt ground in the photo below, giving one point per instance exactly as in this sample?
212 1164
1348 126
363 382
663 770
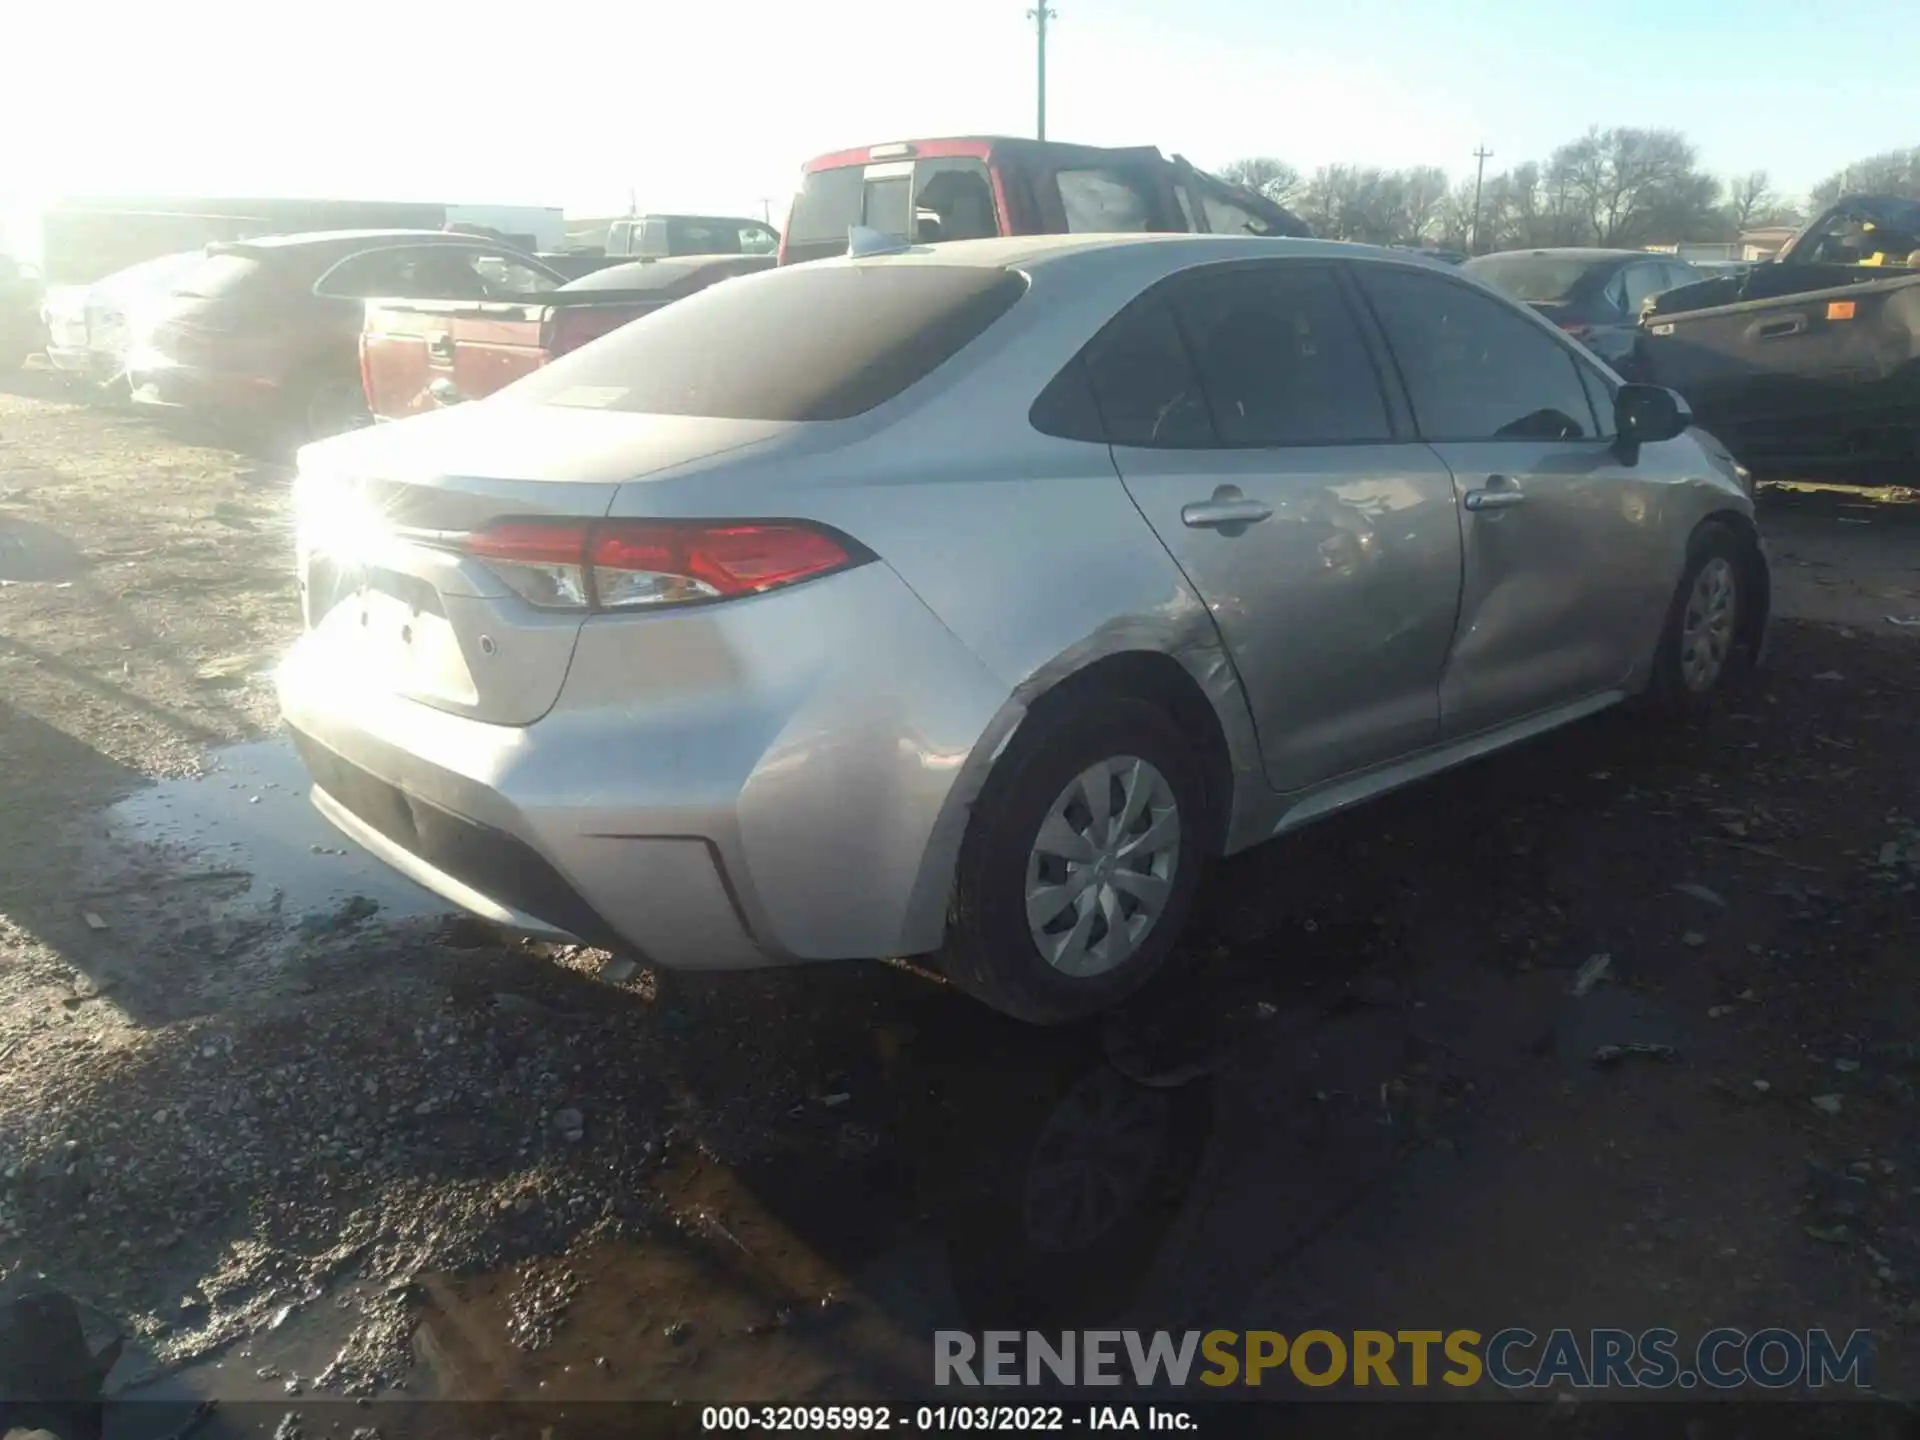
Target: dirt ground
267 1110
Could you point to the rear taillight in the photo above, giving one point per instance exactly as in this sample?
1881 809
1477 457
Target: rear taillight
366 375
1577 331
545 563
647 564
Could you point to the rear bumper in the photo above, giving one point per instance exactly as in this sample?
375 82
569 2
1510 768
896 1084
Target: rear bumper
800 796
183 387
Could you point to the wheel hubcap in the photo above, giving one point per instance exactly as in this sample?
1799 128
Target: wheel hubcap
1706 633
1102 868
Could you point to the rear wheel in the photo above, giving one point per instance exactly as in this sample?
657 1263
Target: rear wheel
324 405
1078 871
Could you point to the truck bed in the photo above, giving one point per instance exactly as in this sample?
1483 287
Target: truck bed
419 355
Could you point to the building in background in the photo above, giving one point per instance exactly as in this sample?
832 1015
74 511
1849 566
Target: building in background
1765 242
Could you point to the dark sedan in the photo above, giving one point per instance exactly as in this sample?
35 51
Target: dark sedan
1594 295
267 331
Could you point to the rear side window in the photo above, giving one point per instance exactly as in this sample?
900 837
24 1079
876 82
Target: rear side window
1105 200
953 200
802 343
1144 383
828 202
1226 218
1474 369
1281 358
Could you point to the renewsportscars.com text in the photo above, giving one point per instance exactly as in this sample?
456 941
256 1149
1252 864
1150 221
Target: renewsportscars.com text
1513 1359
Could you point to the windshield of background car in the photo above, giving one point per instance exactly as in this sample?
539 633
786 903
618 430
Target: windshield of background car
850 337
1532 278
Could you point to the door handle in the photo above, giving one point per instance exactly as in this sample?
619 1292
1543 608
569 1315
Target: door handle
1211 514
1500 494
1779 329
440 347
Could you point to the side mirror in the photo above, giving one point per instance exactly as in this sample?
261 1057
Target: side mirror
1648 414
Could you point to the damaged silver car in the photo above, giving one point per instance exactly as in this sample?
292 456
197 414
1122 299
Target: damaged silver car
963 601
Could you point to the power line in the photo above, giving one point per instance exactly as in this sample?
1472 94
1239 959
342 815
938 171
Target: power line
1040 17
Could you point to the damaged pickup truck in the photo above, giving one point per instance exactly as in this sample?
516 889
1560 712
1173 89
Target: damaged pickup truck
1807 367
977 187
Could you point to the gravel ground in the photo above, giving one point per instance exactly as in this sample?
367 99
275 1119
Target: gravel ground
224 1122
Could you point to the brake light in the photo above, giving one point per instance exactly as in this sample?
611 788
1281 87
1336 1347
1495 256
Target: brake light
647 564
1577 331
544 562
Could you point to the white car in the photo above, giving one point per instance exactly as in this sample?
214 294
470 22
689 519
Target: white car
91 328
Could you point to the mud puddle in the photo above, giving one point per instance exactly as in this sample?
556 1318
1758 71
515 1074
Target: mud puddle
730 1297
248 819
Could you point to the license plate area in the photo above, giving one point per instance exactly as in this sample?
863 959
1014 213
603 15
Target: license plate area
392 627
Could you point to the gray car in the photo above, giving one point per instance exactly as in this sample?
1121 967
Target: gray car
962 601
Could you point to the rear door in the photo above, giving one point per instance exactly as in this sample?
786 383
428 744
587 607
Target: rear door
1249 422
1564 560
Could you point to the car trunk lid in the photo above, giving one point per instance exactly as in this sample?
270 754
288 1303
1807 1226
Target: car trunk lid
389 589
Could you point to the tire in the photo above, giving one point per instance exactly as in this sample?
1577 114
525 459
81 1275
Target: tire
325 404
1705 646
990 951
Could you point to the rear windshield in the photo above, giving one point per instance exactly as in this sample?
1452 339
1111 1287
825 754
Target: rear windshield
217 276
688 235
1541 278
828 202
666 274
792 344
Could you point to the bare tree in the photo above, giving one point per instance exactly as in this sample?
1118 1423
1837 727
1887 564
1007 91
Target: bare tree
1628 186
1749 197
1264 175
1423 198
1894 172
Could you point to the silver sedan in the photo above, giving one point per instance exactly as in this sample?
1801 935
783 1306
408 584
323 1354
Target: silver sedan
963 601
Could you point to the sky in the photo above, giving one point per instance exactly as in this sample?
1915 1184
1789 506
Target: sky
714 107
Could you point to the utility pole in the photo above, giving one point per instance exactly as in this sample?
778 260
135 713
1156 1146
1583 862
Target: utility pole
766 209
1480 156
1040 17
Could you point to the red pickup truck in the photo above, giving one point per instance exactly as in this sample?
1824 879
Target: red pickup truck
976 187
420 355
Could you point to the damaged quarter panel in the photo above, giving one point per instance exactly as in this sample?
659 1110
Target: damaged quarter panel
1042 576
1034 560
